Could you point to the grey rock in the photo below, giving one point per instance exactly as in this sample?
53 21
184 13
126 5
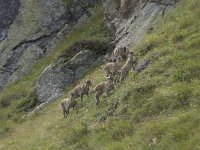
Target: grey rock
8 12
80 59
3 34
56 77
52 81
143 65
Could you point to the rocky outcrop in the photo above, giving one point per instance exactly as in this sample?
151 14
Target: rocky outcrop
72 64
30 29
143 65
129 20
56 77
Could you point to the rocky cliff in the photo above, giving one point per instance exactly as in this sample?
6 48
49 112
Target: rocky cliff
30 29
130 20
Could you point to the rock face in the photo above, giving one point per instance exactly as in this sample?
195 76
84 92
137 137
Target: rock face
129 20
8 12
55 77
30 29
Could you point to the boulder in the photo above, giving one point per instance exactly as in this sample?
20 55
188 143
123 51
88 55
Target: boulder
143 65
56 77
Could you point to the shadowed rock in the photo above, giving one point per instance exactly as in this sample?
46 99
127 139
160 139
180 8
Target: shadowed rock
143 65
8 11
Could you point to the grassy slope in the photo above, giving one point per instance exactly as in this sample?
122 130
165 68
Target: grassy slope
20 94
161 103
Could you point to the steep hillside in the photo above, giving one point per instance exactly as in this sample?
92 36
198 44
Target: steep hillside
154 108
19 98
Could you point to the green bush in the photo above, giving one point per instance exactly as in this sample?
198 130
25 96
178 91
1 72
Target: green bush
97 46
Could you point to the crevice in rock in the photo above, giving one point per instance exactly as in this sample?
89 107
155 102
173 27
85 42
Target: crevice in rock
164 10
19 49
132 21
34 40
12 64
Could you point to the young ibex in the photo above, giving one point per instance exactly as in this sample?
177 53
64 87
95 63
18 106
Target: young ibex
103 87
81 90
66 104
112 68
121 51
129 64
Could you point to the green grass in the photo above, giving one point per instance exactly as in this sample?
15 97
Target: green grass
162 102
